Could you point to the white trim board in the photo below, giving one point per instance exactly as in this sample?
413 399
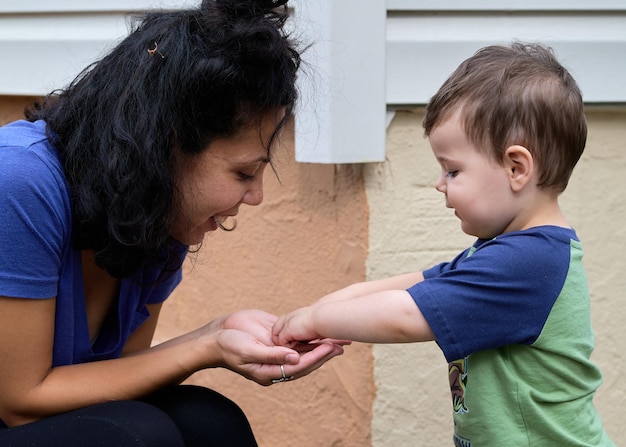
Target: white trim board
506 5
74 6
341 116
423 49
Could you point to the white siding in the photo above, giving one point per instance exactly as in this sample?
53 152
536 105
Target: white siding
366 53
424 46
506 5
73 6
41 53
45 43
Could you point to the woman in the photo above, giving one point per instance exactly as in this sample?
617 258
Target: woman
105 187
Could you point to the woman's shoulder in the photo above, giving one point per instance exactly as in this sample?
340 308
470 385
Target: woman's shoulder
22 133
28 159
35 191
35 207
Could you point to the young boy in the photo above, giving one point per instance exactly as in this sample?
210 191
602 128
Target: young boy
511 313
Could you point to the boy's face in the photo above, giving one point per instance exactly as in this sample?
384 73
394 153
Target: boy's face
475 186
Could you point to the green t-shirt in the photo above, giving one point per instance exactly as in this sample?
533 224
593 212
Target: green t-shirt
516 311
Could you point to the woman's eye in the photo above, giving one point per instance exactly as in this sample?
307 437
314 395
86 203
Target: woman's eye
245 177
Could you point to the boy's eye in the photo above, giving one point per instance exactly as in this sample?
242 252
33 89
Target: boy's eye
452 173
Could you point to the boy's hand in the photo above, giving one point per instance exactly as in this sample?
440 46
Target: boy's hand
294 328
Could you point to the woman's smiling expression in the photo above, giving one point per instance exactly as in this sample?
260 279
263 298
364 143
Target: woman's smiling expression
215 183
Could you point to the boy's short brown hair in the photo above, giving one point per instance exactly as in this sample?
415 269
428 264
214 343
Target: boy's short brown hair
518 94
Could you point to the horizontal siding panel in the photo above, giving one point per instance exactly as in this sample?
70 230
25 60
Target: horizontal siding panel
64 27
423 49
74 6
45 66
48 52
506 5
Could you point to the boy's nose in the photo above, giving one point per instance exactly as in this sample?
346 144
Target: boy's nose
440 183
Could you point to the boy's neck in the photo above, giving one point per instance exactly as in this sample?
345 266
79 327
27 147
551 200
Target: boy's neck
544 210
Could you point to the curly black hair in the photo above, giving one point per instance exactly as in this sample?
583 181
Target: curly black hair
177 81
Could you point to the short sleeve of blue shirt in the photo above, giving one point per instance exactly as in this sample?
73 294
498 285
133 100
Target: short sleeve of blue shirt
498 292
37 260
35 213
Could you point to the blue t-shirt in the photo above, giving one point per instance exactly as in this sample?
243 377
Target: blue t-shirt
37 260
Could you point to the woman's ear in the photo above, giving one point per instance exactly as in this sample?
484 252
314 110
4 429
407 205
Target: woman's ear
520 166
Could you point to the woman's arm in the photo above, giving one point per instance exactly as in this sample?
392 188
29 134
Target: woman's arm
141 339
31 389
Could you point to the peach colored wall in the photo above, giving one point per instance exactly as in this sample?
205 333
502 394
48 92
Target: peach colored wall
12 107
308 238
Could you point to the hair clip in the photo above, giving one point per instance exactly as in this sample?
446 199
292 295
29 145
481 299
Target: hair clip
151 51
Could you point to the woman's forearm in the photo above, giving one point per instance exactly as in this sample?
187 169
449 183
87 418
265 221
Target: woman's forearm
69 387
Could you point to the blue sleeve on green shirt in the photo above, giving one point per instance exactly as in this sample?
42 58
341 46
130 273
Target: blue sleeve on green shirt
497 293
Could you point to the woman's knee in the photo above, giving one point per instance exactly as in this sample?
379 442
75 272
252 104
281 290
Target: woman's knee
148 425
114 424
204 416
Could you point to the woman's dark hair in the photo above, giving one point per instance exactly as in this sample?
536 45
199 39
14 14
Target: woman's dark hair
179 80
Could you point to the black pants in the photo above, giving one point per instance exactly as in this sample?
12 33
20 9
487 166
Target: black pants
177 416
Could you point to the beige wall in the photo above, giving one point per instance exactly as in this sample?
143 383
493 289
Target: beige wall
326 226
410 228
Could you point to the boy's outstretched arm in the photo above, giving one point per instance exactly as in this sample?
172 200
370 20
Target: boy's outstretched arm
389 316
355 290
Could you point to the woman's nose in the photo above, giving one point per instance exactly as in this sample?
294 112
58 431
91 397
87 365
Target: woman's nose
254 195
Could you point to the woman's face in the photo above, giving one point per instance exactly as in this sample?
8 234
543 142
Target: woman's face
216 182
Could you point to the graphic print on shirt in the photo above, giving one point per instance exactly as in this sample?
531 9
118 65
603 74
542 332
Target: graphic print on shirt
457 373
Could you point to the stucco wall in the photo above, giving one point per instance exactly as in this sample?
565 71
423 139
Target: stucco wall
410 228
12 107
307 239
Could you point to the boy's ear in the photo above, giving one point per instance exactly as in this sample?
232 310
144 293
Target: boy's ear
519 164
